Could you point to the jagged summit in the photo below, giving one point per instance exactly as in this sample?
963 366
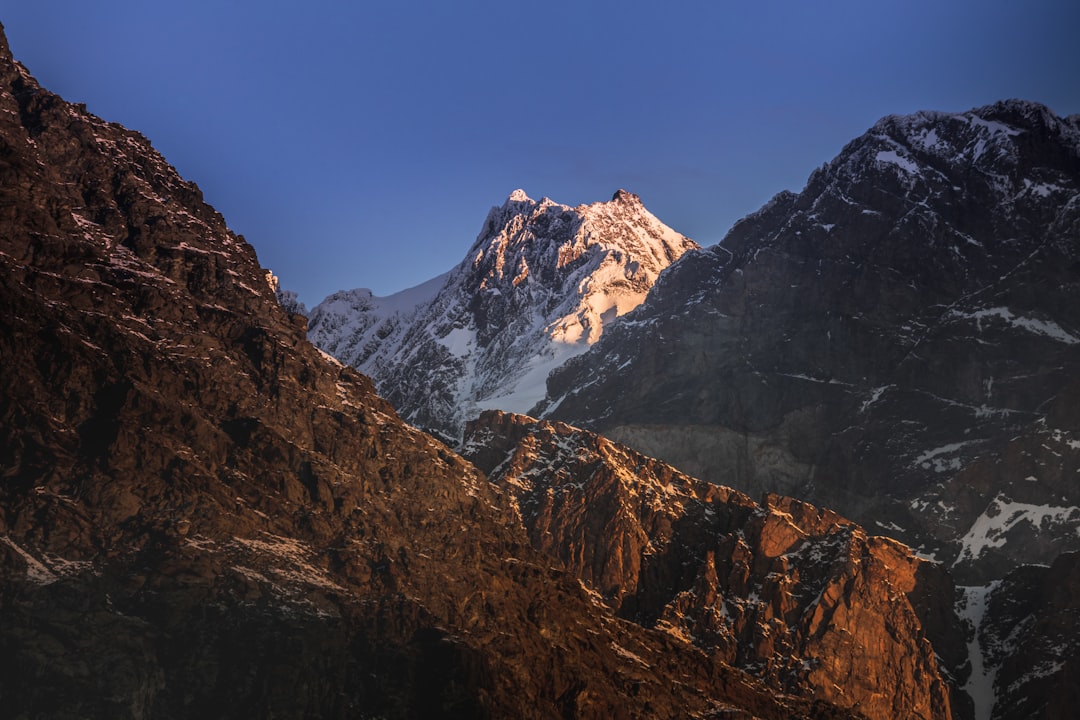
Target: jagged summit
538 286
518 196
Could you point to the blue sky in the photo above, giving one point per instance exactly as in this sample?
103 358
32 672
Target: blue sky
361 144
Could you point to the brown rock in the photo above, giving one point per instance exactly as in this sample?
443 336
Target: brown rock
796 595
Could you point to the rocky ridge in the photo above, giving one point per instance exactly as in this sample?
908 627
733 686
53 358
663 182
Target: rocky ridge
794 594
202 515
539 286
897 341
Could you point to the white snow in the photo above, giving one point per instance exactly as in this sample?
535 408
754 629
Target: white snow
993 126
980 685
889 526
1002 515
351 323
1061 436
891 157
587 266
928 138
49 568
330 358
933 458
810 378
531 387
459 341
1041 189
1045 328
875 395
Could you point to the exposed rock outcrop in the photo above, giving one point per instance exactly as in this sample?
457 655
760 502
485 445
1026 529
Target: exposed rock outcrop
796 595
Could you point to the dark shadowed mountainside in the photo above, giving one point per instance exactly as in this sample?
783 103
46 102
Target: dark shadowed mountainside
201 515
900 341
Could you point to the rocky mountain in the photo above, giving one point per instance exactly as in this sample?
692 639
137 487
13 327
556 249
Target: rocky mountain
794 594
539 286
1029 639
201 515
899 341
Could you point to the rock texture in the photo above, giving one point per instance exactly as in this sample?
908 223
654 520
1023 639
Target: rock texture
538 286
1026 640
796 595
202 515
899 341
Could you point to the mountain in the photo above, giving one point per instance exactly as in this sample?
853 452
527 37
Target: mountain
1026 641
201 515
900 341
540 285
354 325
794 594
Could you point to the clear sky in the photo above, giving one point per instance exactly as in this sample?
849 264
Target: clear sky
361 144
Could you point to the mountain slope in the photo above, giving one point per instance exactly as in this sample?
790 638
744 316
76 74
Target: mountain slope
797 595
1029 639
885 342
201 515
539 286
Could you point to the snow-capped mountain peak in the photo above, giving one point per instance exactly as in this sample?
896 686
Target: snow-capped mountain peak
538 286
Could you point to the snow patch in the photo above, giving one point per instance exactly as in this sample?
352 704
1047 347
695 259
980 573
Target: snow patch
932 459
891 157
459 341
1045 328
980 685
1002 515
875 395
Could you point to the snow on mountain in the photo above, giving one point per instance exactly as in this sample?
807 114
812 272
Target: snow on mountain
351 325
539 285
899 341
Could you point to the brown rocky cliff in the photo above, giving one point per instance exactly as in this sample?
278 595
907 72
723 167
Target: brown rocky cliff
796 595
201 515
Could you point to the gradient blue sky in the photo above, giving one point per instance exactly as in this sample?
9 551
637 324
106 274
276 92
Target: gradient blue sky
360 144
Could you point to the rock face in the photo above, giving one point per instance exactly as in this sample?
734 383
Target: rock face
1030 640
900 341
796 595
201 515
539 286
1025 641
